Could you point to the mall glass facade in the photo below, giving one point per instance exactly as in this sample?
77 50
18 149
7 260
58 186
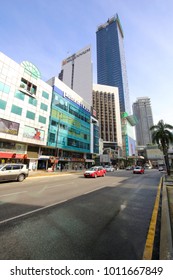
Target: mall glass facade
69 124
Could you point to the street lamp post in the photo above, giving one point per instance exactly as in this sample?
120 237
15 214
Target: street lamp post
56 143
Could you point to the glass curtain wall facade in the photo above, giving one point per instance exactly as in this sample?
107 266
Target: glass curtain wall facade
69 125
111 65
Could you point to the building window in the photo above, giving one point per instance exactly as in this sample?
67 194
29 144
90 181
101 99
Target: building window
45 94
19 95
43 106
2 104
4 88
52 137
32 101
42 119
27 87
30 115
16 110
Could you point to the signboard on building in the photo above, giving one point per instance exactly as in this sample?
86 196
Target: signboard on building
33 133
104 158
9 127
154 154
75 55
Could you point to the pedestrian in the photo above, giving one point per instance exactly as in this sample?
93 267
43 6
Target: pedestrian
62 167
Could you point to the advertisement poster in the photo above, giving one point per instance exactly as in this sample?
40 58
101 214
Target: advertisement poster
33 133
9 127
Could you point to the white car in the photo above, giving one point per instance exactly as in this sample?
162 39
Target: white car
109 168
161 168
13 171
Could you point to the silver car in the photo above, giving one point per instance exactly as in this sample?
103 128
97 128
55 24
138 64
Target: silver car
109 168
13 171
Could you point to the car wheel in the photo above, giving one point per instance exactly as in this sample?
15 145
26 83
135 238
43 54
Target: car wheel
103 175
21 177
95 175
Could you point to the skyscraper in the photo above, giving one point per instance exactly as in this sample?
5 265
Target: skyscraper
111 65
143 111
106 104
77 73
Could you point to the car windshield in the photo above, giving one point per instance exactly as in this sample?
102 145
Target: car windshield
93 168
1 165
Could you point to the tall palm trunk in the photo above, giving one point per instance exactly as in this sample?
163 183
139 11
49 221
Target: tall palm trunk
167 164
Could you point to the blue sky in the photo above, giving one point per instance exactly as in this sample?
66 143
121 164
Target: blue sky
45 32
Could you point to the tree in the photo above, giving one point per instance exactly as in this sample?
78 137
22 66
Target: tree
163 137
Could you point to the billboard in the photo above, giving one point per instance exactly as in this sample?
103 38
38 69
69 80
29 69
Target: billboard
9 127
131 146
154 154
33 133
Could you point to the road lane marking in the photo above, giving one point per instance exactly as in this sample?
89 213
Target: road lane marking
148 250
44 207
60 185
12 194
33 211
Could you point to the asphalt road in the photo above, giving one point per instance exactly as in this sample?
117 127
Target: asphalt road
71 217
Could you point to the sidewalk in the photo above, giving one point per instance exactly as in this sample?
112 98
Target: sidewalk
40 173
166 233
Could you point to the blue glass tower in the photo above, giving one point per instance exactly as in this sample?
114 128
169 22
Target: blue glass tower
111 65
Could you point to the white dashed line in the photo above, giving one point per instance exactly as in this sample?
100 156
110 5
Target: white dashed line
31 212
12 193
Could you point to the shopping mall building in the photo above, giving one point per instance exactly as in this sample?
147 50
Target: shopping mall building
43 124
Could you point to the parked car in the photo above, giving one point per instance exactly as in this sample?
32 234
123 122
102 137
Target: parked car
94 172
138 170
109 168
13 171
161 168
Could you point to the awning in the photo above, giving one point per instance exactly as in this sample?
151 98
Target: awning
12 155
44 157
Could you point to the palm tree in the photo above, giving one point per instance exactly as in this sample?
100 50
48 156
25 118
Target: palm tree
162 136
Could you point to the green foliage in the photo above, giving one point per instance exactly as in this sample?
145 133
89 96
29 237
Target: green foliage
162 135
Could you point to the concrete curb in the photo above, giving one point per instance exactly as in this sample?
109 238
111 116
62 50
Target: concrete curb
148 251
52 174
166 246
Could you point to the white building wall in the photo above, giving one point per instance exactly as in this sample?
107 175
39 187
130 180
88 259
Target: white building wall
78 74
10 75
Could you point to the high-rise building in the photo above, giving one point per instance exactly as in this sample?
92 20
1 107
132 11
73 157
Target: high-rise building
111 65
106 104
143 111
43 124
76 73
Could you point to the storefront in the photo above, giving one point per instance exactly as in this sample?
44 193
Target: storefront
13 158
13 152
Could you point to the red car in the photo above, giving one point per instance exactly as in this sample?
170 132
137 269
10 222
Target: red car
94 172
138 170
